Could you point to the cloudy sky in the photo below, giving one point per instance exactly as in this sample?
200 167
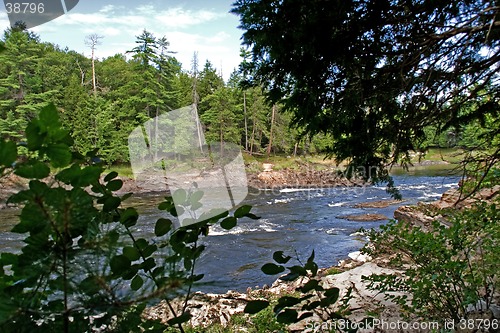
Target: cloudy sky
204 26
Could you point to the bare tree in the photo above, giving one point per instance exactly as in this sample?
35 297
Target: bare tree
92 41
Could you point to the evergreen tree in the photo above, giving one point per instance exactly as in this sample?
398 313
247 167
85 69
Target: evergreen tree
221 117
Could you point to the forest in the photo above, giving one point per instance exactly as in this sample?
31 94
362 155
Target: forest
102 100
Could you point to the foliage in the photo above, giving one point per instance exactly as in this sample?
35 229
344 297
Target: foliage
375 74
128 93
221 118
82 266
451 269
312 297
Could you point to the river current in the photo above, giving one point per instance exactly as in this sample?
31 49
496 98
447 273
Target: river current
295 221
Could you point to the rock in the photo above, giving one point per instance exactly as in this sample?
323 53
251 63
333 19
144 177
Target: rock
415 215
267 167
378 204
300 178
365 217
358 256
363 299
206 309
423 214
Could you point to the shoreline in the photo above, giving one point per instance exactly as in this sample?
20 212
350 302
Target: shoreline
347 275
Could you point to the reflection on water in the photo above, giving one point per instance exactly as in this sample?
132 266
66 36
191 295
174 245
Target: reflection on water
292 221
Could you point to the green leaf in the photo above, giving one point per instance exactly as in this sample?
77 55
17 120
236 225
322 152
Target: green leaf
111 203
131 272
196 205
36 170
272 269
8 153
131 253
165 205
332 295
289 316
253 307
68 176
149 250
311 266
126 196
129 217
148 264
180 319
89 176
195 197
228 223
311 257
136 283
141 243
179 197
59 154
252 216
311 285
119 264
110 176
280 258
289 277
286 301
114 185
162 227
298 270
9 258
90 285
197 277
49 117
307 315
242 211
34 137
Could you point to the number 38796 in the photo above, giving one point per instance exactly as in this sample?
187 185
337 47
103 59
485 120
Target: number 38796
24 7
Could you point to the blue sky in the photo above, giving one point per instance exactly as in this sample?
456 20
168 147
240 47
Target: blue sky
206 27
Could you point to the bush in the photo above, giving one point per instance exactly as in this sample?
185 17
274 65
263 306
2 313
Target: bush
82 267
453 271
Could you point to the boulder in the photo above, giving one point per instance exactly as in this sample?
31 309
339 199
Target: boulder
423 214
378 204
369 217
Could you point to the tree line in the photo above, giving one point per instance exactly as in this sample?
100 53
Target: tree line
102 100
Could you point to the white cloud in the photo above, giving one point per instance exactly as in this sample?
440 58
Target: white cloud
107 9
4 20
219 37
110 31
180 18
208 32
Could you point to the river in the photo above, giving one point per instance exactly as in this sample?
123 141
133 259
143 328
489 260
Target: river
294 221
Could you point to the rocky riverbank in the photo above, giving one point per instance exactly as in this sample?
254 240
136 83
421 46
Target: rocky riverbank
210 309
304 177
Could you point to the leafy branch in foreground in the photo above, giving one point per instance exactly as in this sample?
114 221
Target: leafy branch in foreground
453 271
83 266
314 298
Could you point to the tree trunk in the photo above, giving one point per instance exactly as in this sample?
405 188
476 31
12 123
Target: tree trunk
271 133
245 116
94 87
252 141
